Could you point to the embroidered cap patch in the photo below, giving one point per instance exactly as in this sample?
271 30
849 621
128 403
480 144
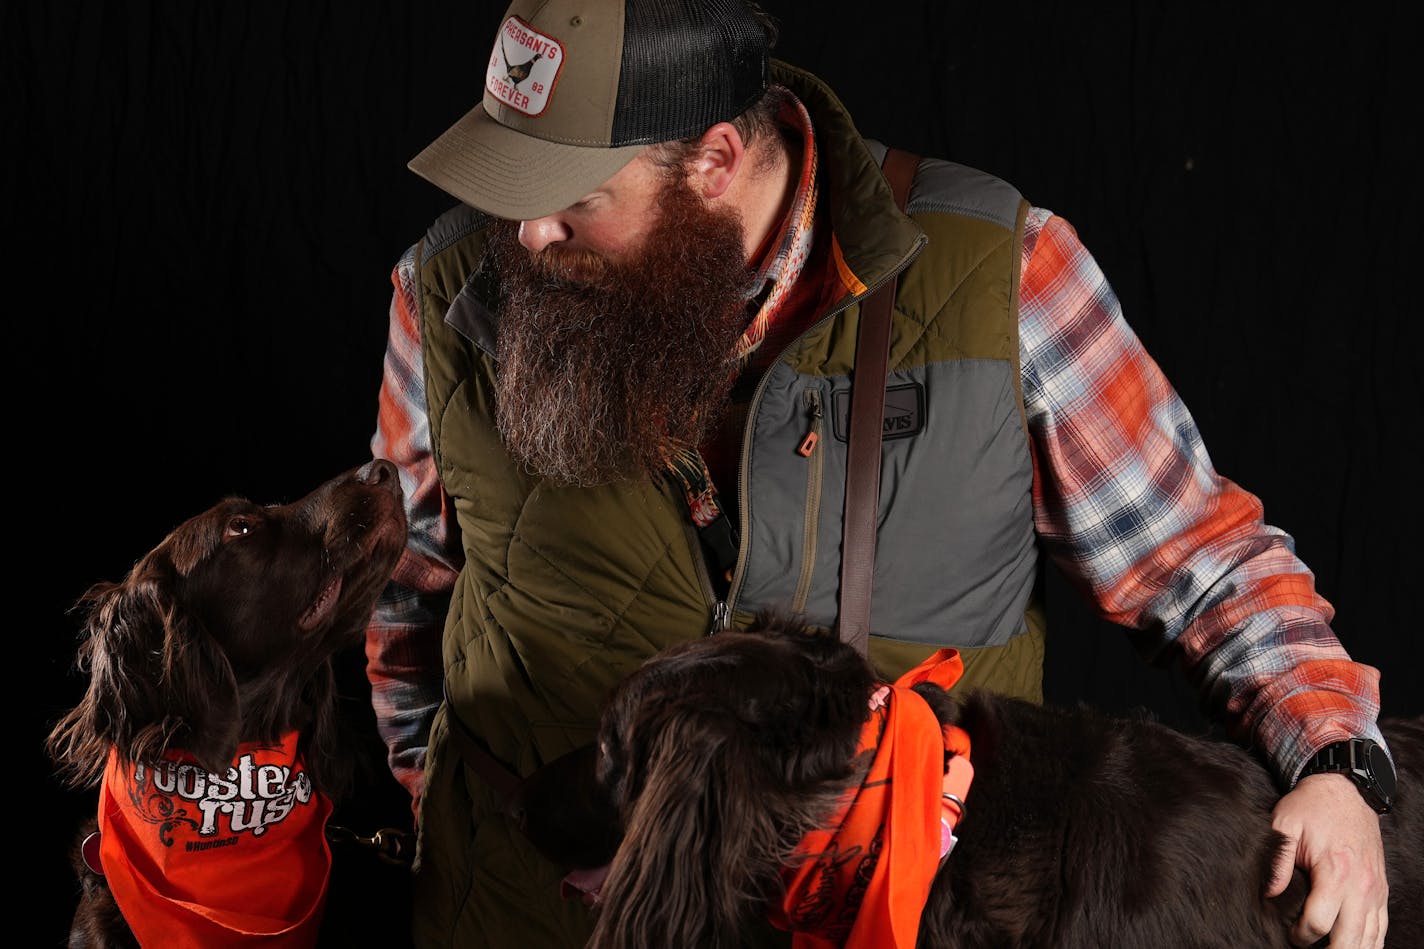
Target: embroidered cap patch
523 67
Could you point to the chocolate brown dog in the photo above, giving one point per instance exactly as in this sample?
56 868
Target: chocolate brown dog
1081 830
211 716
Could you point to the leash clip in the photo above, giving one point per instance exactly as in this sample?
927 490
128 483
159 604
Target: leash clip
390 844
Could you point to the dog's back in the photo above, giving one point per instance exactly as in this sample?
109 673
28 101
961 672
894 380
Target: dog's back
1085 830
1078 824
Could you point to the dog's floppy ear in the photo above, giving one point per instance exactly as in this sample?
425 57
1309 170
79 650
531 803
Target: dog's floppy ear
157 681
703 840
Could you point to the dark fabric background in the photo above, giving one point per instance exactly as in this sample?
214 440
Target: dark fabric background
203 202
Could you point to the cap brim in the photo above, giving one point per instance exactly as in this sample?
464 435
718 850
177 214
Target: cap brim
513 175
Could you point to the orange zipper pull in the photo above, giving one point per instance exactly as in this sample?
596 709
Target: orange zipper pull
813 436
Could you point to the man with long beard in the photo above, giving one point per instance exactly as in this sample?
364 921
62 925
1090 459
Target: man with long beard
607 362
616 386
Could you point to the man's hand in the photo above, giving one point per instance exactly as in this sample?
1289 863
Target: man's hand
1334 836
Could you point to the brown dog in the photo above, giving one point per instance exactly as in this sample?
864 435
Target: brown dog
211 716
1081 830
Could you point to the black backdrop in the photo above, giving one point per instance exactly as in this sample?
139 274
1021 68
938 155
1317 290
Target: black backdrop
204 201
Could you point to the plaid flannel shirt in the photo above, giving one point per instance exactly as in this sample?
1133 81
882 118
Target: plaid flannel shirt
1126 501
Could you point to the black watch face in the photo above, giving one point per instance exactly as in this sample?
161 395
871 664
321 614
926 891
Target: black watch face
1381 771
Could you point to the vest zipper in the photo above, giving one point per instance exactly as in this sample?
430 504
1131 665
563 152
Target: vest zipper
743 502
721 617
720 614
814 468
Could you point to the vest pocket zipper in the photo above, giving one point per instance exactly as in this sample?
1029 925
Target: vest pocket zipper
809 449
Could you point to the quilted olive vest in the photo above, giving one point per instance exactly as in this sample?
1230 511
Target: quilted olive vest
566 590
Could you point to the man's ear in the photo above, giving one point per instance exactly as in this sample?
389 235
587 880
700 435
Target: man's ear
718 161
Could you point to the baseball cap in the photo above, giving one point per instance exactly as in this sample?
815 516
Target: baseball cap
575 89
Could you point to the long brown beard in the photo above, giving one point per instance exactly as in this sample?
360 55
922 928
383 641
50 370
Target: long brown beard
607 365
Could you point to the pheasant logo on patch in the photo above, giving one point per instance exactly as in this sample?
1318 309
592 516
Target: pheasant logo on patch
524 66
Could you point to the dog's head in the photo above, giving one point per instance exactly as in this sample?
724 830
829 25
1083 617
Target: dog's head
225 631
719 756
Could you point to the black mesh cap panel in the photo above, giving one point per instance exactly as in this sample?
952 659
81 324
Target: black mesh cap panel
687 65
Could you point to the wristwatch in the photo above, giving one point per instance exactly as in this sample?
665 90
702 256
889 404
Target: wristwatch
1362 761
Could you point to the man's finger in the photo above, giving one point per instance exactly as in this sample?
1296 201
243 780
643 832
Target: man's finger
1283 868
1318 918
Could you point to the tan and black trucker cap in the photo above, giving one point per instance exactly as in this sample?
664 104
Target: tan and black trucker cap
575 88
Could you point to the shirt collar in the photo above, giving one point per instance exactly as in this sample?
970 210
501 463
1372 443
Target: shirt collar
783 262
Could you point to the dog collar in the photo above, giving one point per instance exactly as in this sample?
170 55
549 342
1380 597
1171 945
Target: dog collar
958 772
958 775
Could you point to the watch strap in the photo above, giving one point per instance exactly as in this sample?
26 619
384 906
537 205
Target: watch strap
1363 762
1335 757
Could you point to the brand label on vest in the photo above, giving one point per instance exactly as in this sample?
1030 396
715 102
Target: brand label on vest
523 67
904 412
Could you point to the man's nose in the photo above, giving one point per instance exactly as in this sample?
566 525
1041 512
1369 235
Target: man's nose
540 233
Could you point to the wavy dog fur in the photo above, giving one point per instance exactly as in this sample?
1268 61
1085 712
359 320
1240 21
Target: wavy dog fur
1082 830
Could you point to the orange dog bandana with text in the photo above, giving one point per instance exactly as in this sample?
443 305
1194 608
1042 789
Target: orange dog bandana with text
197 859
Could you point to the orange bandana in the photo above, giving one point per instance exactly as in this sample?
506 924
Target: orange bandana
197 859
865 878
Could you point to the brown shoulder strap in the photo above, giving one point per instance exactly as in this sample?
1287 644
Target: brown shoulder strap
867 413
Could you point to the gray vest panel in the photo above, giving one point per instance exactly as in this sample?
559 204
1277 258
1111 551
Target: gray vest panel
955 558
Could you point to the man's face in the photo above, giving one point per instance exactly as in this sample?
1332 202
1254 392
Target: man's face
611 222
618 319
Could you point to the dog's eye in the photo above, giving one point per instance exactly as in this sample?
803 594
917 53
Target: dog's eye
241 526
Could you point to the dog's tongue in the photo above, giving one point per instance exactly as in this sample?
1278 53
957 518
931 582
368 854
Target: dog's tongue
585 884
325 602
